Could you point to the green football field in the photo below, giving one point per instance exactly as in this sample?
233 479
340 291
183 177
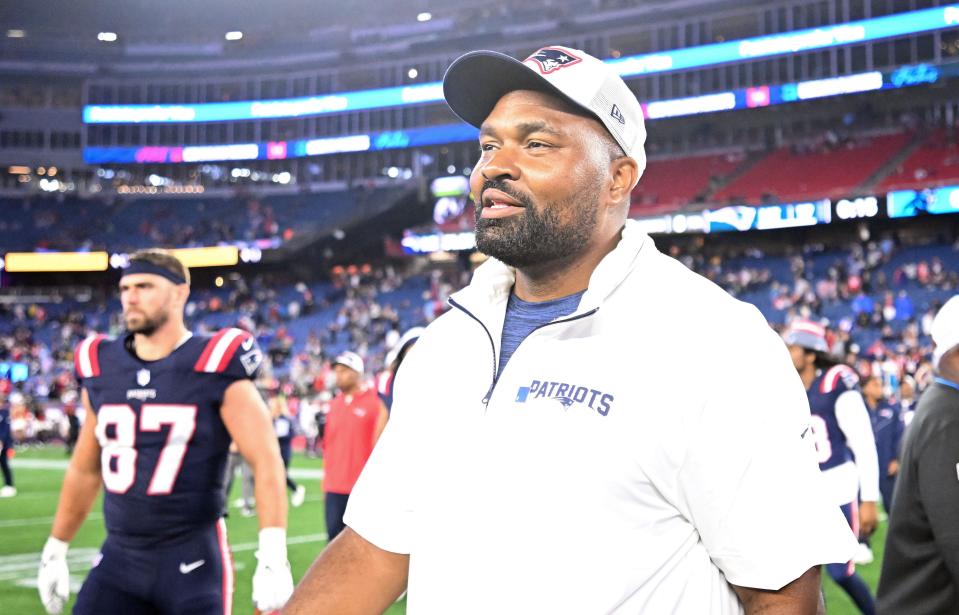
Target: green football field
25 522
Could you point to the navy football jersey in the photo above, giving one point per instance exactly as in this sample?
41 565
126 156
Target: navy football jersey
831 447
164 445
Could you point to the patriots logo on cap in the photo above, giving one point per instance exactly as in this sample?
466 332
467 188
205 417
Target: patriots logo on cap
551 59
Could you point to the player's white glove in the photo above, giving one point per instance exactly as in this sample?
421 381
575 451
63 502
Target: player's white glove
53 578
273 580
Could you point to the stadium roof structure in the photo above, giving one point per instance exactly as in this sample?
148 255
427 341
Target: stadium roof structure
192 24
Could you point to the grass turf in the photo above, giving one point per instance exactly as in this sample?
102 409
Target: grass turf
25 523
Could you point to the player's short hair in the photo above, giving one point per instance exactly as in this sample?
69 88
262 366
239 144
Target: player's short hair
164 259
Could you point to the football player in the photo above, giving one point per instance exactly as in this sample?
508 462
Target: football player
162 407
842 434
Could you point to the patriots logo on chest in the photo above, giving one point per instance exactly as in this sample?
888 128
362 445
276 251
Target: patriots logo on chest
551 59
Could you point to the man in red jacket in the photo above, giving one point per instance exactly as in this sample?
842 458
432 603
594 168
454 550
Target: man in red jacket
357 417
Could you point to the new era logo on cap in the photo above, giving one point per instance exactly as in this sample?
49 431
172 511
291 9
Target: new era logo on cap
617 115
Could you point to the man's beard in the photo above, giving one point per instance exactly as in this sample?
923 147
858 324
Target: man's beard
148 326
537 235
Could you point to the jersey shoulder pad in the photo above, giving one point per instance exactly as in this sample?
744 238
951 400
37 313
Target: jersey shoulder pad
86 356
231 352
839 379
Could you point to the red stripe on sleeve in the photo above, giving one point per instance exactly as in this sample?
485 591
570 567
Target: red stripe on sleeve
231 350
95 355
201 362
76 360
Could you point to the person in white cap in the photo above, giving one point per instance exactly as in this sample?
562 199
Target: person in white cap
920 569
592 428
354 423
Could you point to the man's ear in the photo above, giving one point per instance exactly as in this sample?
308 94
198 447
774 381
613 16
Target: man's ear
625 175
183 291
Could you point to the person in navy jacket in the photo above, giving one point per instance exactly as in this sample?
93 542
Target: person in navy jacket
887 427
6 444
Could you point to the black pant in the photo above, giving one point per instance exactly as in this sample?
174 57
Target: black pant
335 507
286 453
887 485
5 465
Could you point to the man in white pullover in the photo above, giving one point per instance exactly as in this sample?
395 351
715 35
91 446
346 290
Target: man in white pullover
592 428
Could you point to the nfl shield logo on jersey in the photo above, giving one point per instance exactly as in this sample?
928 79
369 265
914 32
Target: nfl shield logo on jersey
143 377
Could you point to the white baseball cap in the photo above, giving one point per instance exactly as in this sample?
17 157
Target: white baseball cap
807 334
945 329
476 81
351 360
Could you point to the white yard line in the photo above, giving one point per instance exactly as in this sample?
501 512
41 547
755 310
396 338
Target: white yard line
21 568
39 521
61 464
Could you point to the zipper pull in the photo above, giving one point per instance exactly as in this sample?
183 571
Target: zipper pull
489 393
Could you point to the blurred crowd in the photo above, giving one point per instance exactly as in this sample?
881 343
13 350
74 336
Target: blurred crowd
300 327
878 316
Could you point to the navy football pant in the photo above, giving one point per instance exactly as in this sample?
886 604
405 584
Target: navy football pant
286 452
887 486
845 574
5 465
192 577
335 508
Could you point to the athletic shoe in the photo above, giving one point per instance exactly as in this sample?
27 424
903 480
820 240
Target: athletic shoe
8 491
863 555
298 496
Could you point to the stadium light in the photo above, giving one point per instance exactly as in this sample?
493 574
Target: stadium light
424 17
16 33
107 37
234 35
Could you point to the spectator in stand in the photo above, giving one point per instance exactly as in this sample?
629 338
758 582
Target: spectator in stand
904 306
354 423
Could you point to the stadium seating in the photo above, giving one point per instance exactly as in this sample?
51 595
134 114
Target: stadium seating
792 174
668 184
934 162
70 223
